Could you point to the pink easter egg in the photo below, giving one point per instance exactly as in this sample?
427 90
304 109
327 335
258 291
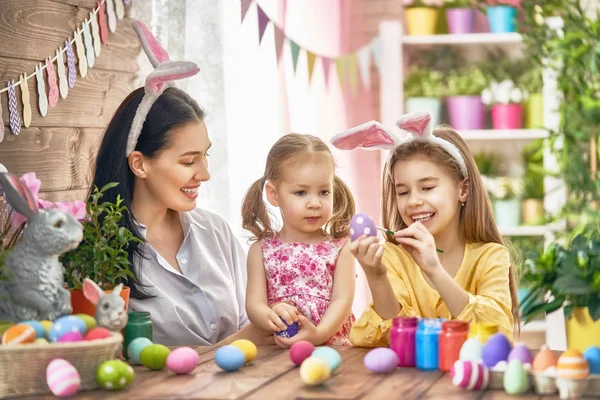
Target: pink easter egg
182 360
470 375
300 351
70 337
62 378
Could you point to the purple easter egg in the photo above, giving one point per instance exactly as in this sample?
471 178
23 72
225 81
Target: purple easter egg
70 337
291 331
520 352
496 349
381 360
362 224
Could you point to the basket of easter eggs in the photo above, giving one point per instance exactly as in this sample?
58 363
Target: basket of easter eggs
61 357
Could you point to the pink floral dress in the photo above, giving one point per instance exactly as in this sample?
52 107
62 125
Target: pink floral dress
303 274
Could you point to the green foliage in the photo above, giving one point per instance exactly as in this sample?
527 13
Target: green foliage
530 81
102 255
571 274
487 163
469 81
533 177
423 82
460 3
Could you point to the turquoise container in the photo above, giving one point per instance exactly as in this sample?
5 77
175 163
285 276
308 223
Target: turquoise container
507 213
139 325
432 104
502 19
427 343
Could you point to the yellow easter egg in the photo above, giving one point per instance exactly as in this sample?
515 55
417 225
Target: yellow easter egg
572 365
47 325
314 371
247 347
40 341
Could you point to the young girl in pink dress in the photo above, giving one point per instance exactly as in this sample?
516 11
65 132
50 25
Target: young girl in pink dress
304 272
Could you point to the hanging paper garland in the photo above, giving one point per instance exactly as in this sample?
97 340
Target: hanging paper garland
89 46
15 118
1 123
96 33
25 101
63 85
112 18
102 22
41 88
71 64
119 9
83 62
52 87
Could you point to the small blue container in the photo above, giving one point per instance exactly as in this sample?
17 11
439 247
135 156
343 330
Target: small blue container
427 343
502 19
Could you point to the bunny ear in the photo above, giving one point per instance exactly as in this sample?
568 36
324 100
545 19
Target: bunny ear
92 291
170 71
417 123
370 135
117 289
18 195
156 54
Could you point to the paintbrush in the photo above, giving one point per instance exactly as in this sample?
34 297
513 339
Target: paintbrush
389 232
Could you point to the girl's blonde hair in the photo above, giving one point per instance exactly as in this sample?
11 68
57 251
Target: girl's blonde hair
288 151
477 224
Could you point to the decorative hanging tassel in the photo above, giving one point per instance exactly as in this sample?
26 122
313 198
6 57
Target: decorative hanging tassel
41 88
83 63
89 46
15 118
102 22
63 85
25 101
120 9
95 33
71 63
52 87
1 122
112 18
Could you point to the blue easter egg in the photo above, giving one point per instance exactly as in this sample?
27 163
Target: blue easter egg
330 355
592 356
40 331
135 347
230 358
292 330
66 324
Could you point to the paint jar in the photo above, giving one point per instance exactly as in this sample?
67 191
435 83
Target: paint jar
138 325
402 340
454 334
427 343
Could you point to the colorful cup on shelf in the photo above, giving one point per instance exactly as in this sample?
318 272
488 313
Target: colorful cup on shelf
460 20
502 19
421 20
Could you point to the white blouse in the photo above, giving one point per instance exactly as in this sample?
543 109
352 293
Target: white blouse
205 303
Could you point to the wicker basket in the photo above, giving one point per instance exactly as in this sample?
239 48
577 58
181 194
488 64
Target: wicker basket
23 368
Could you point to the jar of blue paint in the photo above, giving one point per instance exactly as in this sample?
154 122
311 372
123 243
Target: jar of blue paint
427 343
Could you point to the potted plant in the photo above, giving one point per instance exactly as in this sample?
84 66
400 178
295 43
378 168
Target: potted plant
460 16
504 98
422 16
102 254
463 88
423 88
530 82
504 192
487 163
571 276
502 16
533 183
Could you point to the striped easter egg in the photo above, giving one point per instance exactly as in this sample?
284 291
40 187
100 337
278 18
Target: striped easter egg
62 378
18 334
470 375
572 365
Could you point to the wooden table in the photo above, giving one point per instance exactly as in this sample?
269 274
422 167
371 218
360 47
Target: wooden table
273 376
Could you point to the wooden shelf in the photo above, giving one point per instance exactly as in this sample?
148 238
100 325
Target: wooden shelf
525 230
460 39
534 326
504 134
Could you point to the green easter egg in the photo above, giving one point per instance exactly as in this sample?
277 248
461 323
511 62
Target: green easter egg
126 371
90 322
112 375
155 356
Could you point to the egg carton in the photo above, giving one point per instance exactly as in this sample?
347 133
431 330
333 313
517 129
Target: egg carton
545 384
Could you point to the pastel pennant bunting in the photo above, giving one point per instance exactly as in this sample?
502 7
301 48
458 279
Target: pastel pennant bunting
25 101
63 83
41 88
295 53
112 18
102 22
263 21
326 66
310 59
15 118
89 46
364 65
71 63
279 41
340 67
52 86
245 6
96 32
352 71
83 63
119 9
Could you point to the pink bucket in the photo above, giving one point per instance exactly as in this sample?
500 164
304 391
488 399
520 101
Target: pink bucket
507 116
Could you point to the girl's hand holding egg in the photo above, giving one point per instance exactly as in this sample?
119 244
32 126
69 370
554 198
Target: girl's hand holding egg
419 242
281 314
369 253
308 332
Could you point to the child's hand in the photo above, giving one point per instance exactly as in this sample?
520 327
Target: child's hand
308 331
282 310
369 252
419 242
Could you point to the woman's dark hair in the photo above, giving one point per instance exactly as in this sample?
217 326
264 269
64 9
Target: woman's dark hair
172 109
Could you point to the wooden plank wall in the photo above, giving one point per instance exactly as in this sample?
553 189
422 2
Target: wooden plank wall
60 147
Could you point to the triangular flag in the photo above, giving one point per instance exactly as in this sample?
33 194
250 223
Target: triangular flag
340 67
311 58
352 71
364 63
245 6
376 50
326 64
263 20
279 36
295 53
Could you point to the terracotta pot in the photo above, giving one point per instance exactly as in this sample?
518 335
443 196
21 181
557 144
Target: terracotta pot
81 305
532 211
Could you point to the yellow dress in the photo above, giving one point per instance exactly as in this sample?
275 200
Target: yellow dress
484 274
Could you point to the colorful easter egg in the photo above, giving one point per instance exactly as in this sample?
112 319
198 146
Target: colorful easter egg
592 356
97 333
247 347
40 331
41 341
521 352
300 351
470 375
135 347
471 350
314 371
62 378
67 323
88 320
114 375
70 337
381 359
543 360
18 334
155 356
229 358
572 365
47 325
291 331
182 360
329 354
496 349
362 224
516 379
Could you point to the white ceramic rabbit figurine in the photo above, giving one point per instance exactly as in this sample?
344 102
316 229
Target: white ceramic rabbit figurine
35 288
110 307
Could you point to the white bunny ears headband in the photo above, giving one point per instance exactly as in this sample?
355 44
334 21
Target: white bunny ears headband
165 72
373 136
